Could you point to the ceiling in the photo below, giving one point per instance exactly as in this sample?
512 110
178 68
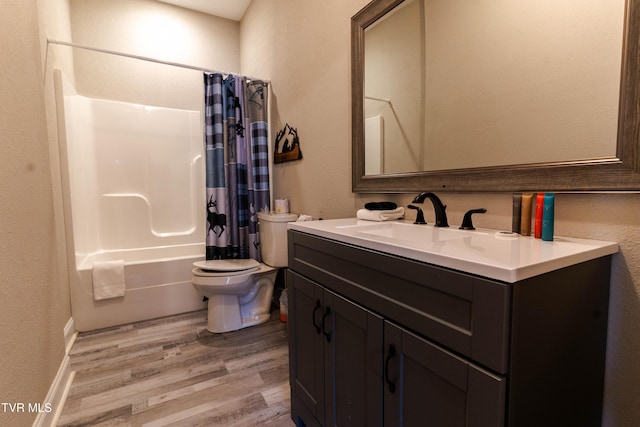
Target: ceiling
229 9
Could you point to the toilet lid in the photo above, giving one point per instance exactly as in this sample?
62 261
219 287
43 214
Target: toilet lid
227 265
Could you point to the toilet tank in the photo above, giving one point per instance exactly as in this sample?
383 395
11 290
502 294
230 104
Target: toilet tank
273 237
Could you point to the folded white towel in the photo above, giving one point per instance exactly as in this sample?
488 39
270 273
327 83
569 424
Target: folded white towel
108 279
387 215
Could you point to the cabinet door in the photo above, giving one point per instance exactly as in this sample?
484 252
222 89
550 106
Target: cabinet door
353 364
306 353
427 386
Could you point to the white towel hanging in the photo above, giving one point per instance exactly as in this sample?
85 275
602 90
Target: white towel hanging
108 279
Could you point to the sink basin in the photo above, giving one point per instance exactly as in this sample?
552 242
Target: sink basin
488 253
407 232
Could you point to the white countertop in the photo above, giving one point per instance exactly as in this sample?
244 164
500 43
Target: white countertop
483 252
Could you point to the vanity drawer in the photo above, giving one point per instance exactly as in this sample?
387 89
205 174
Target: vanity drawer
466 314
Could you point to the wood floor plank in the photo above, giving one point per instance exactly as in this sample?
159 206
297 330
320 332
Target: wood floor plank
172 371
221 399
277 394
221 412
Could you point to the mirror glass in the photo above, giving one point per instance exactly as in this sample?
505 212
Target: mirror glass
495 95
450 84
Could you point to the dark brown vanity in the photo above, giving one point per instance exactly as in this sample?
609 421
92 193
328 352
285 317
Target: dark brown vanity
378 339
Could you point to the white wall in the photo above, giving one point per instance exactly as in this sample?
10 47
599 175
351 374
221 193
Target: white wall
304 49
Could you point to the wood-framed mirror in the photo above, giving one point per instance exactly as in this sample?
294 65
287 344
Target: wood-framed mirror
619 171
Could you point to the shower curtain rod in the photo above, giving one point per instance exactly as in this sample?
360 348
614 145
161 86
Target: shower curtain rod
146 58
378 99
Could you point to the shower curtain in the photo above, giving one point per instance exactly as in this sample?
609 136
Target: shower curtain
237 169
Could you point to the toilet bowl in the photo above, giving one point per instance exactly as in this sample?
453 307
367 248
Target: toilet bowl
240 290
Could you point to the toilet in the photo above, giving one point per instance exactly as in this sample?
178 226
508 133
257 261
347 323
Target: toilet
240 290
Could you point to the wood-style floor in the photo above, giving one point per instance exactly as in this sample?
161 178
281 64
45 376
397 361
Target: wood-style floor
172 371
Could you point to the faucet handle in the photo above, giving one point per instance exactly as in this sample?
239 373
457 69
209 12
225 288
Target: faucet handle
467 224
419 215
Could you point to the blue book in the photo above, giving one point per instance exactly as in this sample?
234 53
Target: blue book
547 217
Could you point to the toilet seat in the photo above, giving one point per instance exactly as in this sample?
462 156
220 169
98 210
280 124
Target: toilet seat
225 267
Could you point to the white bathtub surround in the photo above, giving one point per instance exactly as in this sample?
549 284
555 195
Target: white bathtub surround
131 176
134 174
108 279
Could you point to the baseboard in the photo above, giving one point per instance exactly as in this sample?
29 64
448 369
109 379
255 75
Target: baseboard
53 403
70 335
57 395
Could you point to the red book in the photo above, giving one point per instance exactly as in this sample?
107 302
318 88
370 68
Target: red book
537 228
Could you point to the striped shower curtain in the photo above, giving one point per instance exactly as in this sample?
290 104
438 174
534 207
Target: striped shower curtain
237 171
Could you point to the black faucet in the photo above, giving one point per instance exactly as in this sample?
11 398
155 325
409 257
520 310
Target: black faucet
440 209
419 215
467 224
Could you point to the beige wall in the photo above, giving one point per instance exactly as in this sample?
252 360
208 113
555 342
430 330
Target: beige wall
304 49
34 301
151 29
477 69
394 70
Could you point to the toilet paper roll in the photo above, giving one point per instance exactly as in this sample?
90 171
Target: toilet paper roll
282 206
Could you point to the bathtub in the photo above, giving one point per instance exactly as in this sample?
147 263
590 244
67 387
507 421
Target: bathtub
158 283
133 190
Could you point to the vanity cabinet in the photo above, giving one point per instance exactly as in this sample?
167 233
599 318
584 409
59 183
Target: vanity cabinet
381 340
427 385
336 368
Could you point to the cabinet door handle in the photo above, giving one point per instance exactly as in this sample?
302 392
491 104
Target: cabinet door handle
390 355
313 317
327 335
